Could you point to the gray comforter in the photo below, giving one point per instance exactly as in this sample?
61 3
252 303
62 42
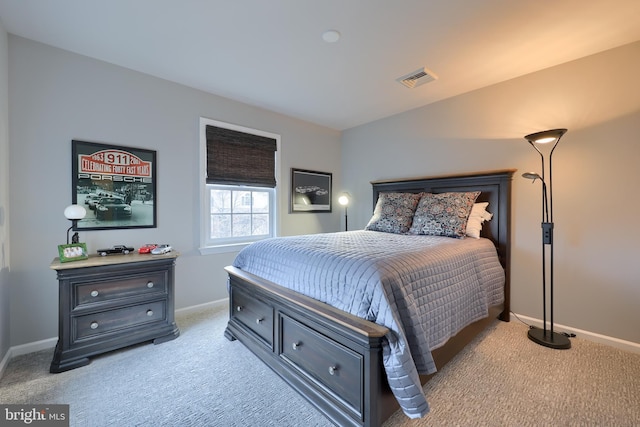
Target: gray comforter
425 289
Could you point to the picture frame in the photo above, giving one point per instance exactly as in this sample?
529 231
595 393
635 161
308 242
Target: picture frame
310 191
73 252
116 185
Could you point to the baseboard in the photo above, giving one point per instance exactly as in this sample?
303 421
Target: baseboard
590 336
211 305
19 350
5 362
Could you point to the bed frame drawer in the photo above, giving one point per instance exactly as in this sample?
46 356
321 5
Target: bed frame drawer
254 314
336 368
323 360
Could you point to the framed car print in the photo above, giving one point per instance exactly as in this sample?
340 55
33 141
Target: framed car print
310 191
116 185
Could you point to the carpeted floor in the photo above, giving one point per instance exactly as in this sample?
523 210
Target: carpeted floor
202 379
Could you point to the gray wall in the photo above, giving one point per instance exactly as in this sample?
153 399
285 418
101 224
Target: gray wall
57 96
4 195
595 178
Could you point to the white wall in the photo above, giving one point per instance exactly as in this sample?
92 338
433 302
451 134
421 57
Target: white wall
57 96
595 178
4 195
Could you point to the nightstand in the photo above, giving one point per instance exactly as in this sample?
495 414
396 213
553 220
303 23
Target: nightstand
110 302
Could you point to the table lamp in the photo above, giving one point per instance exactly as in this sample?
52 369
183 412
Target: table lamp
74 213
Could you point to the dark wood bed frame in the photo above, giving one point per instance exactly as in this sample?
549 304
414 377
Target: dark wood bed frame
333 358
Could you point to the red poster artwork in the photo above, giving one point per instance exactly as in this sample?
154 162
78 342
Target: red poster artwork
115 184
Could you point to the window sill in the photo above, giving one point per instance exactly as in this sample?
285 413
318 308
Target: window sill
222 249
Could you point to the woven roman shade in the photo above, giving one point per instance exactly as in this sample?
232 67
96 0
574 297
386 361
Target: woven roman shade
239 158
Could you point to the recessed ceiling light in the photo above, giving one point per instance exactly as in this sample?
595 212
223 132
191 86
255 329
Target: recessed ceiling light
331 36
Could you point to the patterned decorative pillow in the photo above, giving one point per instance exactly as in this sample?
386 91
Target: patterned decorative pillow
443 214
394 212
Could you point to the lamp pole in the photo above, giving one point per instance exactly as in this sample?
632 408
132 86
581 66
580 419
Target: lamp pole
346 219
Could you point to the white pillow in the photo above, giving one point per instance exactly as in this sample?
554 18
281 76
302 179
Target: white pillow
477 216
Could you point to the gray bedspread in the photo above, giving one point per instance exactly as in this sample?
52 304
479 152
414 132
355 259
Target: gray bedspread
425 289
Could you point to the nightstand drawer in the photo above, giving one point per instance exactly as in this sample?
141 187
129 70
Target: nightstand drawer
104 322
254 314
333 365
119 287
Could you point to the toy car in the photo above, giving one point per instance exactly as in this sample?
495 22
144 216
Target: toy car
161 249
117 249
146 249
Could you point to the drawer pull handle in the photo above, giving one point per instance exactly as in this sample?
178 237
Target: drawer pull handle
259 321
149 285
94 293
296 345
332 370
149 313
239 308
94 325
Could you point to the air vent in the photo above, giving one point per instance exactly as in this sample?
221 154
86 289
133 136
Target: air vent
417 78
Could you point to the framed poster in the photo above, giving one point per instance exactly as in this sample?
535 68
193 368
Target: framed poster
310 191
117 185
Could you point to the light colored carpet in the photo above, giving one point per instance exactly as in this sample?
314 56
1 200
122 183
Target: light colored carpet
202 379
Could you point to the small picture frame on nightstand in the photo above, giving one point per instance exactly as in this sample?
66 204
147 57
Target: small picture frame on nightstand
73 252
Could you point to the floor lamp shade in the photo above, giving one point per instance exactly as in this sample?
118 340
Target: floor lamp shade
545 143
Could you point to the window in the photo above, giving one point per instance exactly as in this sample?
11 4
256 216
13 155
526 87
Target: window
239 191
239 214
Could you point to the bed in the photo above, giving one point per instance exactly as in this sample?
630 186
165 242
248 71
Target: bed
358 367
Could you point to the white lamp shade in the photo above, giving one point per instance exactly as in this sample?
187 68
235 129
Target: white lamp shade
75 212
343 200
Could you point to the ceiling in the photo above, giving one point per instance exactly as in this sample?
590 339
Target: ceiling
270 53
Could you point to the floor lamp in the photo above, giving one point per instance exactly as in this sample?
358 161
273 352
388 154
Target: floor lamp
344 200
546 142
